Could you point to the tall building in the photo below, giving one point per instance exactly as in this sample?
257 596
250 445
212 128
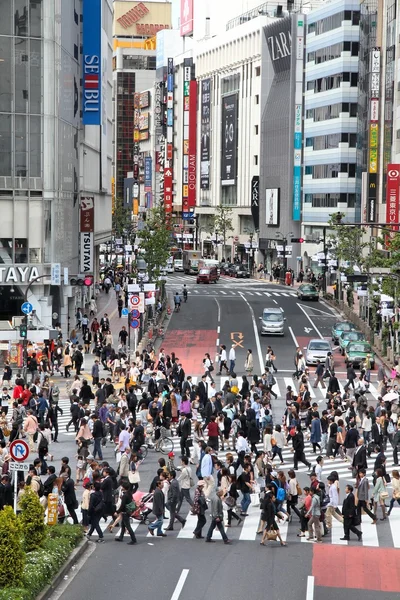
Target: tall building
49 157
330 126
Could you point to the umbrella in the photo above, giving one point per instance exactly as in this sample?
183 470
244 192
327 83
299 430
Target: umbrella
390 397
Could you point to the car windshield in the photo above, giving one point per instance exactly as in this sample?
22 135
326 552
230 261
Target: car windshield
353 336
204 271
319 346
359 348
343 327
275 317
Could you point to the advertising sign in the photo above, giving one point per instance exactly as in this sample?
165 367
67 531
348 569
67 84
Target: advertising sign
144 100
205 134
285 39
279 40
141 18
91 80
229 139
187 11
255 201
158 87
86 234
148 173
272 206
371 203
192 144
392 195
143 121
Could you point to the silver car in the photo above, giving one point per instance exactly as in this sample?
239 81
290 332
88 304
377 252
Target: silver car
317 350
272 321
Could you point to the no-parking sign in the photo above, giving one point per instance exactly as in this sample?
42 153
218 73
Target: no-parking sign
136 301
19 450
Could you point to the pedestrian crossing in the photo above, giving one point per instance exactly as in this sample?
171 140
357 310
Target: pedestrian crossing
385 534
235 293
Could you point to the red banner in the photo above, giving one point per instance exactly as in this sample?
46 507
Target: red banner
168 199
392 196
192 144
87 214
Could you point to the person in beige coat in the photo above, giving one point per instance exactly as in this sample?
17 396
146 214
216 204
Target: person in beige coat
124 463
248 363
30 428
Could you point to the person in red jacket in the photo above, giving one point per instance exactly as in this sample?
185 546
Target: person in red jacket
213 433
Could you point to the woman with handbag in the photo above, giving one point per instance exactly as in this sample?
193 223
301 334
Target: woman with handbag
396 490
294 492
271 531
133 475
270 359
379 493
230 499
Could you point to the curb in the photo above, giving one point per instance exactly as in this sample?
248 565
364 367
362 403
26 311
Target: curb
46 593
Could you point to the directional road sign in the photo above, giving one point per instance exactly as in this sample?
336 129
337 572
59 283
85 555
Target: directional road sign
27 308
15 466
19 450
125 312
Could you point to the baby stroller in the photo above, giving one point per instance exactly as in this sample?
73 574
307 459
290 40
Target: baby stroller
144 503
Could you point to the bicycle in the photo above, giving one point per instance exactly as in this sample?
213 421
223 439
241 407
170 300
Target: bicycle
177 306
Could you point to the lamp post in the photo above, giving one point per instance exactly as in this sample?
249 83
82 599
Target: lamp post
284 239
25 340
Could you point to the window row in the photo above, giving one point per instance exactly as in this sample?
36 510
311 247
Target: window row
21 17
325 142
21 75
139 62
332 82
330 200
330 171
332 111
334 51
20 146
334 21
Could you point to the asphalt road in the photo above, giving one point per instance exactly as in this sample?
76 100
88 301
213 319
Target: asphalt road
174 568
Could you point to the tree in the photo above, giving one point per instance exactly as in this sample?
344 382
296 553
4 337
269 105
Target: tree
121 219
223 222
12 555
155 241
346 244
32 520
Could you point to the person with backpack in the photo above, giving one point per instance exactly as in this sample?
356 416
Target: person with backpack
78 359
127 507
199 509
95 512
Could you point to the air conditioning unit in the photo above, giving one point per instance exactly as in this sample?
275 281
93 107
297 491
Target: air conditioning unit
17 321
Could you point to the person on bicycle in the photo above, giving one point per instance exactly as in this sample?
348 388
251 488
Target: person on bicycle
177 300
185 293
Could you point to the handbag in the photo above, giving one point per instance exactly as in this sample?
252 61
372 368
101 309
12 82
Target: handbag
298 490
387 477
254 500
230 502
272 534
133 477
384 495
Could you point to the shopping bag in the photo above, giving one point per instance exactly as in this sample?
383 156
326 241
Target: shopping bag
254 500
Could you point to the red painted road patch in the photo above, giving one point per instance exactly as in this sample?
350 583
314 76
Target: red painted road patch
190 346
356 568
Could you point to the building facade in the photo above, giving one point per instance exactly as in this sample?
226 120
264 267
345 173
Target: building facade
46 154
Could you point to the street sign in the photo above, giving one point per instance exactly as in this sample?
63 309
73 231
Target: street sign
125 312
27 308
187 215
15 466
135 314
137 301
19 450
55 274
135 323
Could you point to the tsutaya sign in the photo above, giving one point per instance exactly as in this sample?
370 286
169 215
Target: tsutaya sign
15 274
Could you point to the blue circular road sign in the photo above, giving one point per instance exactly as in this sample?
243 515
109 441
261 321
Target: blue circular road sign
135 323
27 308
125 312
135 314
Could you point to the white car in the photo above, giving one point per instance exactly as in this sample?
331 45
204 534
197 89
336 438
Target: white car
170 267
317 350
178 264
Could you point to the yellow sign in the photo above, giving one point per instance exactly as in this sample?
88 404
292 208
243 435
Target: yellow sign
135 207
142 19
373 160
112 195
373 135
237 338
52 509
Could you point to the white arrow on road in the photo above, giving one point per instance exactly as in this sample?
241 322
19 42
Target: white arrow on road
308 329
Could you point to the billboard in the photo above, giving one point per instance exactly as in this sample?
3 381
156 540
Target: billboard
229 139
86 228
205 134
272 206
255 201
187 11
148 174
141 18
298 122
92 67
189 140
392 195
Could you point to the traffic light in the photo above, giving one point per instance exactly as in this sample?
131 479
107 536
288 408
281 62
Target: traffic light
297 240
82 280
23 330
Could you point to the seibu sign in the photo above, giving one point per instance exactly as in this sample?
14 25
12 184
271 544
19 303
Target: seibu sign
136 14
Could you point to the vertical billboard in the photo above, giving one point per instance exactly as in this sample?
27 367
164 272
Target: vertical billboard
148 174
187 13
229 139
374 93
205 134
272 206
169 145
189 140
255 201
86 229
393 196
298 58
92 66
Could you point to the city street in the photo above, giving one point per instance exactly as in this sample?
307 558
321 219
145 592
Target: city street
228 313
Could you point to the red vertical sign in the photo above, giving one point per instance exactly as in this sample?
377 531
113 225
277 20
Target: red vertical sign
168 199
392 195
192 144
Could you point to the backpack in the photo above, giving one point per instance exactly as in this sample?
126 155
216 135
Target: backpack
281 494
41 489
43 442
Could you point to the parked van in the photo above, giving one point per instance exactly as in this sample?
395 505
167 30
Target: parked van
207 275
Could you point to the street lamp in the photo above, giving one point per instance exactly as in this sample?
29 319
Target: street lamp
284 239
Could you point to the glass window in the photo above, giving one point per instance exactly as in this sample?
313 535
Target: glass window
229 195
354 80
355 46
21 17
356 17
21 74
21 146
5 74
353 110
35 65
5 145
35 15
353 140
346 46
309 142
35 150
6 20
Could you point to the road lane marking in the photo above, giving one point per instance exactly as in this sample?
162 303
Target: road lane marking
313 325
267 294
180 584
221 292
310 588
257 337
237 342
296 343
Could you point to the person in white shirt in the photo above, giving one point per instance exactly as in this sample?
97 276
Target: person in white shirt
222 360
232 359
333 503
123 439
318 467
242 447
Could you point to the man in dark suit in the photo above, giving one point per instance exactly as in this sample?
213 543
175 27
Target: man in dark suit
349 515
68 489
360 457
152 387
203 390
184 431
187 386
107 488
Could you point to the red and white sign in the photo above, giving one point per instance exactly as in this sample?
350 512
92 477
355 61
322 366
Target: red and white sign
374 110
136 301
19 450
168 197
192 144
393 195
187 11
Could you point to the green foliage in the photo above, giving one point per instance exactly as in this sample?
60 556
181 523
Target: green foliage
155 241
32 520
223 221
12 559
121 219
346 243
43 564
